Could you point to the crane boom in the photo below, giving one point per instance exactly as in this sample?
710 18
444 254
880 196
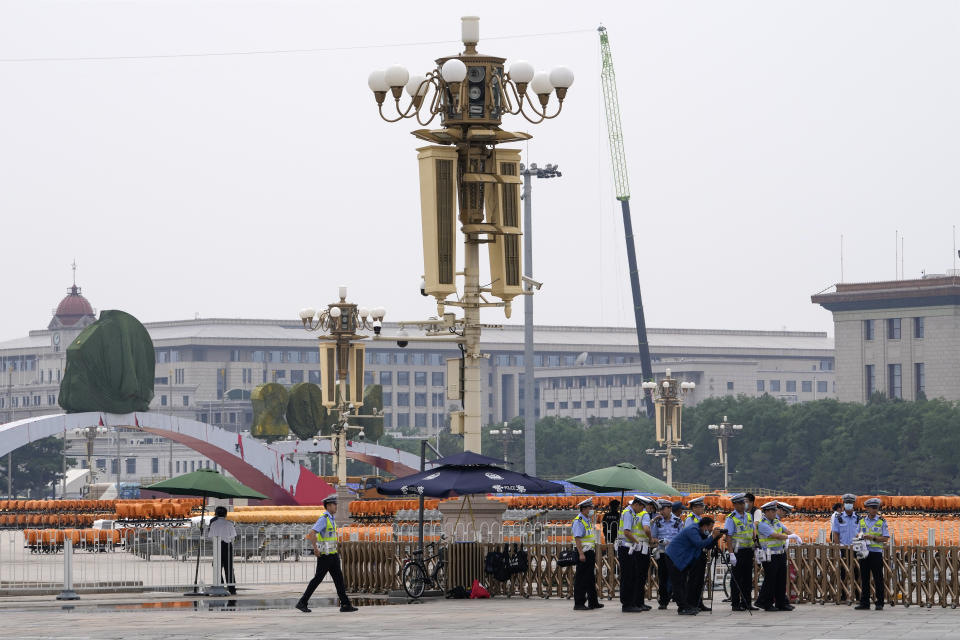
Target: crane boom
618 155
621 183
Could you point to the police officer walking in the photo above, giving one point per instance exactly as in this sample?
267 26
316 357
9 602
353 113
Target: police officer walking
872 528
665 528
699 567
740 529
772 536
585 537
627 544
844 526
323 535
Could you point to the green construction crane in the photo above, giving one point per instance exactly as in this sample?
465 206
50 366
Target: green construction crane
621 183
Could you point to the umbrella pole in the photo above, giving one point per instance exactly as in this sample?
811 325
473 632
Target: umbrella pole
196 573
423 466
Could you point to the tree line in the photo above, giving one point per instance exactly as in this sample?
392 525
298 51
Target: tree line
820 447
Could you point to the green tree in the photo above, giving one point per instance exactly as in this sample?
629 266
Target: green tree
36 466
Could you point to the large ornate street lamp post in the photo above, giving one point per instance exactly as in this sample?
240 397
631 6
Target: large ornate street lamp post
668 402
725 430
341 366
464 169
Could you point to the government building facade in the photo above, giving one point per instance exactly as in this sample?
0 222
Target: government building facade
206 368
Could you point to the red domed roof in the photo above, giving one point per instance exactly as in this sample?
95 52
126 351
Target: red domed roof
73 308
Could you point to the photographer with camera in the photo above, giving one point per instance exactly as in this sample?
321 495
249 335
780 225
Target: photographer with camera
695 582
683 551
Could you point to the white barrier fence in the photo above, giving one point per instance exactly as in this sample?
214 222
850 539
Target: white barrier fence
152 559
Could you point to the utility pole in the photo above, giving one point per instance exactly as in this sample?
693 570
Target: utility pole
529 383
170 411
725 431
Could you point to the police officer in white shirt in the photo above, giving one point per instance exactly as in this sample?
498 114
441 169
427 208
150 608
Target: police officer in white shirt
222 530
323 535
585 538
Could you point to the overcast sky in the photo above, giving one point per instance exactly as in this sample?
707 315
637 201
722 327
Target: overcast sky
252 185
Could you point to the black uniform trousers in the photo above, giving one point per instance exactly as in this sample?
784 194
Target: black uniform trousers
664 579
680 581
628 575
585 580
328 563
742 576
698 569
773 591
643 570
871 565
226 566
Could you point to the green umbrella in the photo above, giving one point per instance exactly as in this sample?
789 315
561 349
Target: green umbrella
209 484
622 477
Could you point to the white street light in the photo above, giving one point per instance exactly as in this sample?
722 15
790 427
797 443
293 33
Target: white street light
470 30
377 81
541 83
453 70
417 86
521 72
396 76
335 312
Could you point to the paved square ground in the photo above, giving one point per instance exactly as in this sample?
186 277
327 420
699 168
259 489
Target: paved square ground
267 613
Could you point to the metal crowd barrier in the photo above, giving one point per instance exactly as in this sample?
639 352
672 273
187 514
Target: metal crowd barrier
158 558
925 576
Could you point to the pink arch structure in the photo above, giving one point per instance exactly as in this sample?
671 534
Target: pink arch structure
266 468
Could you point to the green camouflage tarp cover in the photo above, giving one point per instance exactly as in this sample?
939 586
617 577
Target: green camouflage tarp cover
110 367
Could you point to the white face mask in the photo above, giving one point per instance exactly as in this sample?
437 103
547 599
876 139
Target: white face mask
590 513
848 506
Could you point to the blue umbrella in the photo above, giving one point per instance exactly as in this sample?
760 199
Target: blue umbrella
447 481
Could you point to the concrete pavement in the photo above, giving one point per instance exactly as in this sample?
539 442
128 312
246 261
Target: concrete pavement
267 613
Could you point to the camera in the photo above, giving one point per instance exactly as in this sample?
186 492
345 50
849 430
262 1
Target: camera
533 285
401 334
361 436
423 286
402 343
377 326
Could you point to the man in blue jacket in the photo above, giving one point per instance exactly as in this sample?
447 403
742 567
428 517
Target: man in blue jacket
683 552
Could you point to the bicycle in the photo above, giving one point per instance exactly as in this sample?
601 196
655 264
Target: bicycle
415 575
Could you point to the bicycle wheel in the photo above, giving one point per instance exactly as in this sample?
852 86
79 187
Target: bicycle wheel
413 579
440 577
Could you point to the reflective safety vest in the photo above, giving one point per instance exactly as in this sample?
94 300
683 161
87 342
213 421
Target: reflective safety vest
742 529
696 519
773 543
327 536
589 538
876 529
636 529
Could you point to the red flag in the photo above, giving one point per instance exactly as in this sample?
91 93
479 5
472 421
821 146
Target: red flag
240 445
101 421
135 421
